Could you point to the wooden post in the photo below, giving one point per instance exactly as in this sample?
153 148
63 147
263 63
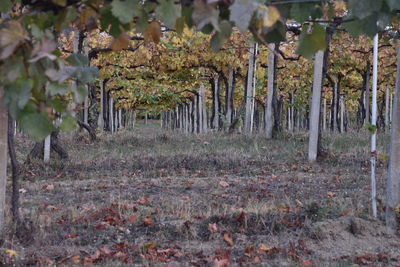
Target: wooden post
3 159
315 107
387 94
393 178
269 121
111 114
373 122
249 90
100 121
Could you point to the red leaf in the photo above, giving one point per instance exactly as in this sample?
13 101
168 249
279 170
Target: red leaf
147 221
132 219
221 263
223 184
212 227
306 263
70 235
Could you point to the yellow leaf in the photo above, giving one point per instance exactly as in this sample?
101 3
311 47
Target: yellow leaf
11 253
271 16
263 247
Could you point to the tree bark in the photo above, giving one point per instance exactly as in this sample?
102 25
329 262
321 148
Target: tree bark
393 178
315 107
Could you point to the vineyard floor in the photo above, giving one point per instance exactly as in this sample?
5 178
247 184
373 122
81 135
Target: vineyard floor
157 198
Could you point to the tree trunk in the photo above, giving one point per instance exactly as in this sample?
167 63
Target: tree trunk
393 178
3 159
249 90
269 122
315 107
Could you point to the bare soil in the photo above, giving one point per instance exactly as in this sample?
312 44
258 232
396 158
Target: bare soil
153 198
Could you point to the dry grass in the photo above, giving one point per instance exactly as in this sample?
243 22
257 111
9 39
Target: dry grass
150 197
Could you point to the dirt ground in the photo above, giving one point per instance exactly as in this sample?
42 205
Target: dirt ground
153 198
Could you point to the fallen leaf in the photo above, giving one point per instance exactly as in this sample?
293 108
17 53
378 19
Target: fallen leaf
306 263
331 194
223 184
132 219
228 239
70 235
147 221
263 247
143 200
11 253
76 259
212 227
48 187
256 260
221 263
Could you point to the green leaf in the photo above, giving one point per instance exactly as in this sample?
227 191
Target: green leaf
217 40
370 127
366 26
301 11
364 8
57 89
393 4
18 94
180 25
187 14
225 29
79 60
124 10
204 14
310 43
37 125
86 74
58 105
68 123
168 12
5 5
241 13
108 19
278 34
80 92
